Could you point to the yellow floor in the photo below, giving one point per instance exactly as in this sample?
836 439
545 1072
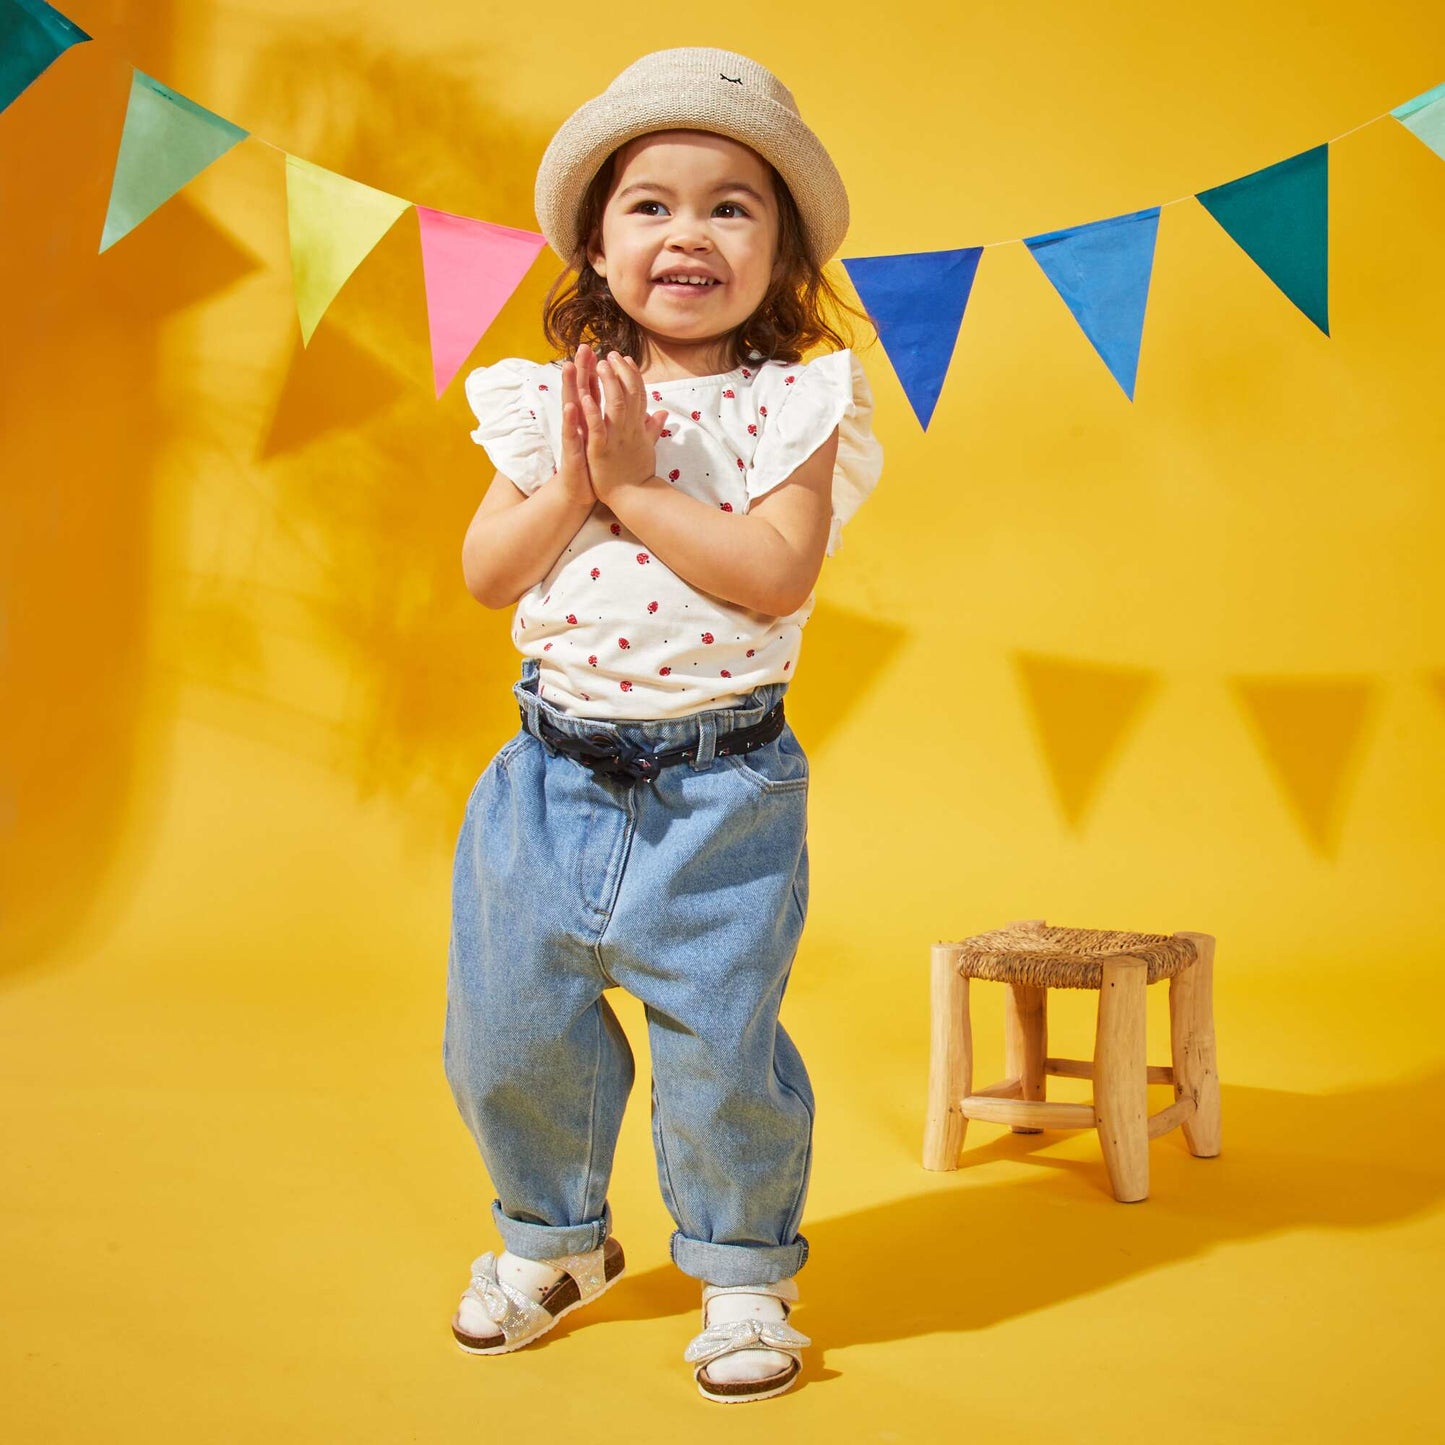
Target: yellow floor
239 1205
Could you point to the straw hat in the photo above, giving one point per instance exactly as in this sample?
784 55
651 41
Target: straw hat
692 88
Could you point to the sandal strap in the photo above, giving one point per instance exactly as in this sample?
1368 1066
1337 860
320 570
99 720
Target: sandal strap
727 1339
785 1290
589 1270
513 1312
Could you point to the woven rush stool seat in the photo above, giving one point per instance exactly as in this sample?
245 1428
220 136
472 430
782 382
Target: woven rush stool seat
1030 958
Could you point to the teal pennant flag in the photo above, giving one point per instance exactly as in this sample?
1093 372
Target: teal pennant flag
167 141
917 301
1425 117
1102 270
1280 218
32 37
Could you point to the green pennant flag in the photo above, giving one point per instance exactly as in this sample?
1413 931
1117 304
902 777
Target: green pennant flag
32 37
1279 217
166 142
334 222
1425 117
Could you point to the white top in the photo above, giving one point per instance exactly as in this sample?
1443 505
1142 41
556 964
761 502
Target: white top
617 633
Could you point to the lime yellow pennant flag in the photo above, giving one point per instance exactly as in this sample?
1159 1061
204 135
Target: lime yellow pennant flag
334 222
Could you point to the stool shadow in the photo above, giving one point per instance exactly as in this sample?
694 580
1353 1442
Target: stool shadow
981 1255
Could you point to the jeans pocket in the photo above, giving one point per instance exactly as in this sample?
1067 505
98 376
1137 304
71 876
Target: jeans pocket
780 766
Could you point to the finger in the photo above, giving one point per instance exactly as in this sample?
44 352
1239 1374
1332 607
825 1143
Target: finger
587 368
574 435
611 386
654 425
627 374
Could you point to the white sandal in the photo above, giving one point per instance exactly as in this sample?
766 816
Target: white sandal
519 1318
715 1341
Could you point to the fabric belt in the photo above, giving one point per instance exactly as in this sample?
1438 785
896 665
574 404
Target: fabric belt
624 760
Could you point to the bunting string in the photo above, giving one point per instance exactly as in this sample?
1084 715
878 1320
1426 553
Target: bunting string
1278 215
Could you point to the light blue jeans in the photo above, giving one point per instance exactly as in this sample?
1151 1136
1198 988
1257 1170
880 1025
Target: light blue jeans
690 892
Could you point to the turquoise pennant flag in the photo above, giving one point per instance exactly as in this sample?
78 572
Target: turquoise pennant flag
1425 117
32 37
917 301
166 142
1280 218
1102 270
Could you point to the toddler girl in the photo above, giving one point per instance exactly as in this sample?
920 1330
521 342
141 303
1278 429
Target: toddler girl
664 500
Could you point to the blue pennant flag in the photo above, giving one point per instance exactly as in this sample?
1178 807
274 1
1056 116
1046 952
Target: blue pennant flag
32 37
1102 271
917 301
1280 218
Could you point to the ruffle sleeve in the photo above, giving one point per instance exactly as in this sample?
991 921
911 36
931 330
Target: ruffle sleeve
829 391
511 411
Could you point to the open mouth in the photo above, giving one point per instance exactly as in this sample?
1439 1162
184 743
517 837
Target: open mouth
680 284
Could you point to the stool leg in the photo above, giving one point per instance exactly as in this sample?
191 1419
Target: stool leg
1026 1042
950 1064
1191 1042
1121 1078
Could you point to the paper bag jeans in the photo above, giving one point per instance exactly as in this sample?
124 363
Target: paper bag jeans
690 892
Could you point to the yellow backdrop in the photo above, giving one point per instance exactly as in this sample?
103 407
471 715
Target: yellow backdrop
1175 664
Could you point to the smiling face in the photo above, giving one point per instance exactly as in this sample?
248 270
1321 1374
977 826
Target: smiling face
688 243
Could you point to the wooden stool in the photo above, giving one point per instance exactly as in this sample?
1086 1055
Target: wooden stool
1032 958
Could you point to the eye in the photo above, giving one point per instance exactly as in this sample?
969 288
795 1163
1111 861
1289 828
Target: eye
731 206
639 206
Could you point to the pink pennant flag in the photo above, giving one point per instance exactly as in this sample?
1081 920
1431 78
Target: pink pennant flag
470 269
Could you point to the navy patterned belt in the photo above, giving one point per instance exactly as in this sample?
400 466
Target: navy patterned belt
616 758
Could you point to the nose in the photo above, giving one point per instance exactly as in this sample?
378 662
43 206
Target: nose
688 233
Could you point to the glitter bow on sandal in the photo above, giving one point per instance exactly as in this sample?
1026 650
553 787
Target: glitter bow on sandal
730 1337
519 1319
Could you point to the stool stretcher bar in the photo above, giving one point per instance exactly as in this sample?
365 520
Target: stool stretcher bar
1084 1069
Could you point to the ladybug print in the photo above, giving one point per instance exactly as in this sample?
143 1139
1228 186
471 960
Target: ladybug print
787 381
657 396
664 672
652 607
707 637
741 465
541 386
724 673
627 687
643 559
746 372
786 666
665 432
762 411
697 416
623 642
596 573
752 430
751 650
592 661
616 529
673 475
546 647
729 393
531 413
726 506
546 599
572 618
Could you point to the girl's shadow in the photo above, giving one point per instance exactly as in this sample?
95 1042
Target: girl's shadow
981 1255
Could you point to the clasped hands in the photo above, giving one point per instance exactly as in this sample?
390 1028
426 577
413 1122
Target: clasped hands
605 455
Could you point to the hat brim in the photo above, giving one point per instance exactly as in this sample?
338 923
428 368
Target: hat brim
596 129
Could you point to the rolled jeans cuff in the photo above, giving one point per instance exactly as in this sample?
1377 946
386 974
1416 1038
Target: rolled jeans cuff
548 1241
738 1263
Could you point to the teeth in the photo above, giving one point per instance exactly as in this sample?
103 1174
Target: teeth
690 280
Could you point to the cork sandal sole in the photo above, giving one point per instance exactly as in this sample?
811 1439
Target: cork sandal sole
560 1300
740 1391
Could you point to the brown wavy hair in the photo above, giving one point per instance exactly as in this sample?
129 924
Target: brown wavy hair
801 310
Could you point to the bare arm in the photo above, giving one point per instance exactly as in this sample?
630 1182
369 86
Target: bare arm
514 539
767 560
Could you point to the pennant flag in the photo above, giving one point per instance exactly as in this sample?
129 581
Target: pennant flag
1081 712
917 301
1425 117
167 141
470 269
334 223
1102 271
1279 217
32 38
1309 731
